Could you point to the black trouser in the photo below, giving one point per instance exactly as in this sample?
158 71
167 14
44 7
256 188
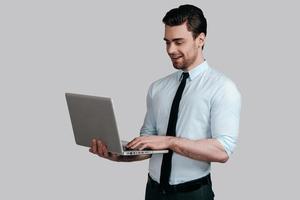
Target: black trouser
198 190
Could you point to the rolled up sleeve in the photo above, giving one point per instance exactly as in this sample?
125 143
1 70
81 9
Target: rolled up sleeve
225 116
149 125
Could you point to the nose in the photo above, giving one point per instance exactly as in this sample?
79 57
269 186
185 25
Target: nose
171 48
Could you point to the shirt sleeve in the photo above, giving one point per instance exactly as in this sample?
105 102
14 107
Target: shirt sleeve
149 125
225 116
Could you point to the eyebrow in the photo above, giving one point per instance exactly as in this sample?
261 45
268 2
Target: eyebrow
175 39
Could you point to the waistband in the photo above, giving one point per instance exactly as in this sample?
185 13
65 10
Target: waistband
182 187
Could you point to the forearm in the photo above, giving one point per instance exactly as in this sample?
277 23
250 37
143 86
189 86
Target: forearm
121 158
209 150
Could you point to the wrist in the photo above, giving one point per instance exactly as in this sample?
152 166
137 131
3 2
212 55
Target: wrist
172 142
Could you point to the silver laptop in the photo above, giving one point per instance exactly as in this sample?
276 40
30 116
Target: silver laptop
93 117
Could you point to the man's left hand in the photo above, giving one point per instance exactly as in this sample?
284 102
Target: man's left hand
151 142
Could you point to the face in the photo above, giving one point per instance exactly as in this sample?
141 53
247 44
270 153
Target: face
185 51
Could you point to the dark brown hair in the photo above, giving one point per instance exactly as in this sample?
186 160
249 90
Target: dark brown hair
196 22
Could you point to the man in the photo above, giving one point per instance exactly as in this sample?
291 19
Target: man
193 112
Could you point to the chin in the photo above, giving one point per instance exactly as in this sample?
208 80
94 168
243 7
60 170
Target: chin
178 66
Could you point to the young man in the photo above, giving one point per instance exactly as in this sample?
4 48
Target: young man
193 112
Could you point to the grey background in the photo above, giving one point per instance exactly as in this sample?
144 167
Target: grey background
115 48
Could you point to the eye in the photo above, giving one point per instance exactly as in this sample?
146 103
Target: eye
179 42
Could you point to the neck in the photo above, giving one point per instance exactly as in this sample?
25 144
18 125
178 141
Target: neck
198 61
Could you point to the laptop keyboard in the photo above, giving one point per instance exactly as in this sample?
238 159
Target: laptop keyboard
128 149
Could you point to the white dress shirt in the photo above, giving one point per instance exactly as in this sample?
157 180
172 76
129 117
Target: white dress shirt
209 108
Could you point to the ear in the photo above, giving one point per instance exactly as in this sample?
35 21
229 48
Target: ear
201 40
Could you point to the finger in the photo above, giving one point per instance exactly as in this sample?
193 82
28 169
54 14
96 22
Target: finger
144 140
104 151
134 142
94 146
144 146
138 145
129 144
99 148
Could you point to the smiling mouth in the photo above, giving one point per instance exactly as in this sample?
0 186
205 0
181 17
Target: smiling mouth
176 58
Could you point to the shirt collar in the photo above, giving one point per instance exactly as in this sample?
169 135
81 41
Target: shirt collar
194 72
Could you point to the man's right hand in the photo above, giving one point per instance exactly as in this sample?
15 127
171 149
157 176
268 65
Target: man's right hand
100 149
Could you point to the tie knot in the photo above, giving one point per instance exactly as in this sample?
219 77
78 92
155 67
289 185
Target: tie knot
185 75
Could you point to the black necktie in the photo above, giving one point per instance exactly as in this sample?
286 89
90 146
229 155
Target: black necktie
171 131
